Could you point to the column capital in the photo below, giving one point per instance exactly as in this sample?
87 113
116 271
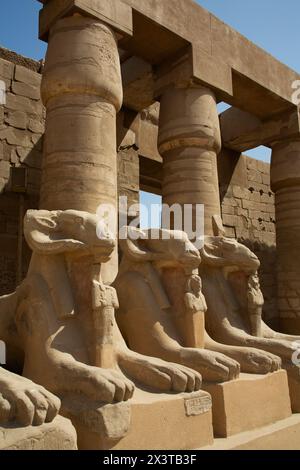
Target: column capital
87 64
114 13
188 118
285 165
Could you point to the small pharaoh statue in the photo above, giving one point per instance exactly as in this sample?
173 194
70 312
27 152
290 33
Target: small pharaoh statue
105 301
255 302
195 308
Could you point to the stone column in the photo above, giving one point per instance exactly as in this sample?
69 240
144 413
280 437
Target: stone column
82 92
189 141
285 182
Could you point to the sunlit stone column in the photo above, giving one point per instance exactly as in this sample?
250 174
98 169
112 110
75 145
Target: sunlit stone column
189 141
82 92
285 182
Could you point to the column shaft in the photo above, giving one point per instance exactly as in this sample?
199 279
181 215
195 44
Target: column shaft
82 92
285 181
189 141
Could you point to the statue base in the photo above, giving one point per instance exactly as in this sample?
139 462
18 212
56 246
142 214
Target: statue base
58 435
250 402
154 424
294 387
283 435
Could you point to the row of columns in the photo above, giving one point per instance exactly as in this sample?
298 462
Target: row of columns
82 91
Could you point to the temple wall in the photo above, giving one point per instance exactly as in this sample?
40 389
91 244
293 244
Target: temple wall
247 203
21 132
248 213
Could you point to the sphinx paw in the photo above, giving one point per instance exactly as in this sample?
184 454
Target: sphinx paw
261 362
26 403
159 374
97 384
213 366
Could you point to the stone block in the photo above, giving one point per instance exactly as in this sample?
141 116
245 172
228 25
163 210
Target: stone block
266 179
17 119
14 159
23 153
24 75
264 168
228 210
4 169
19 103
241 212
37 125
16 137
266 198
249 402
254 175
241 193
6 69
230 201
252 163
255 196
7 151
23 89
36 138
230 220
282 435
112 12
58 435
154 420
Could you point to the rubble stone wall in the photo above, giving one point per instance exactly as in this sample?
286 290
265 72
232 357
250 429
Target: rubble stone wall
248 212
21 133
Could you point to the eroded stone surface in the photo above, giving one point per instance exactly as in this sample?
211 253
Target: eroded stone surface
59 435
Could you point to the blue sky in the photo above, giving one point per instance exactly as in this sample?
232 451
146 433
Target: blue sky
271 24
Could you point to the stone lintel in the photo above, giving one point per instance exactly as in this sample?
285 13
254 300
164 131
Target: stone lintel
114 13
237 70
138 83
243 131
189 66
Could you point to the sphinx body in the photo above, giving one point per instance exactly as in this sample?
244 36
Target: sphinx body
234 299
62 318
162 308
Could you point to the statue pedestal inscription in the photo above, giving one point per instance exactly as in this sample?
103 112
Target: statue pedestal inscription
248 403
155 421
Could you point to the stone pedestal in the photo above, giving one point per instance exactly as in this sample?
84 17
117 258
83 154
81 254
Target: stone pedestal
189 141
58 435
294 387
250 402
160 422
285 182
282 435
